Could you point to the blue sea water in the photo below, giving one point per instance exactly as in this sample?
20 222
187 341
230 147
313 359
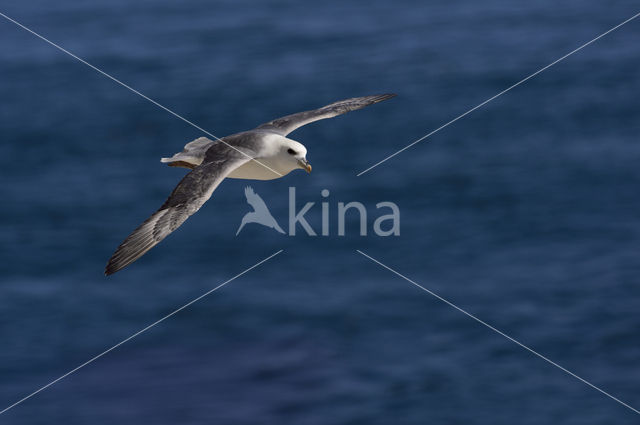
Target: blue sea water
523 213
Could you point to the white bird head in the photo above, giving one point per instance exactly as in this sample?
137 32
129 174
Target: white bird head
294 154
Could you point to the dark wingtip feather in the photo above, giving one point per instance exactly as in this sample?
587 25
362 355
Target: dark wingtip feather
113 265
385 96
125 256
134 246
109 269
373 99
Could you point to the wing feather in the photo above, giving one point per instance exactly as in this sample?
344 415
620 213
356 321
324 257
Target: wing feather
185 200
286 125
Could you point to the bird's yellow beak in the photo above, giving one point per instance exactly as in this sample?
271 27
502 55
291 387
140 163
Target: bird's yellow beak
304 164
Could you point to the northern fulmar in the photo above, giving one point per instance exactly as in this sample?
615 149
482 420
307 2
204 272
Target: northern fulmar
264 153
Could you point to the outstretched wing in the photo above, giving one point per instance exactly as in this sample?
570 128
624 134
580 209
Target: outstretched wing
286 125
255 200
187 198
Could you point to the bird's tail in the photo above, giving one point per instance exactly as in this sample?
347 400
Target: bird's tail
192 154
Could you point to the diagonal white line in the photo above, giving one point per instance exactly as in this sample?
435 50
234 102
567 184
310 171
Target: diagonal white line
499 94
137 333
133 90
498 331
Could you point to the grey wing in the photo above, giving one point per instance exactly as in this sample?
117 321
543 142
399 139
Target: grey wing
185 200
286 125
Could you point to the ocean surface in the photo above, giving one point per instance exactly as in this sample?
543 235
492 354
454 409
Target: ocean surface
524 213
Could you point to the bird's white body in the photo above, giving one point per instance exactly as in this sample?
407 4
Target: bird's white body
253 170
273 162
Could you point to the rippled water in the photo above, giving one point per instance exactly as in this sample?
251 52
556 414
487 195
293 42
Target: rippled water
524 213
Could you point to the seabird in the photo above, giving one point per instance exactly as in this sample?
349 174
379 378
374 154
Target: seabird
264 153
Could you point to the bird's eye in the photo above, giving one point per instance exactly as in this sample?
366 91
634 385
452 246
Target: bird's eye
291 151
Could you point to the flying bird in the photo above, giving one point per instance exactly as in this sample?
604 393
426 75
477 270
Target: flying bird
264 153
260 213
